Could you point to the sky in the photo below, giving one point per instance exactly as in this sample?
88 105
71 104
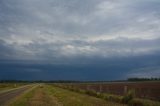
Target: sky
79 39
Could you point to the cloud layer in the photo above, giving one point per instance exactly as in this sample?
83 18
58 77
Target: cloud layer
79 32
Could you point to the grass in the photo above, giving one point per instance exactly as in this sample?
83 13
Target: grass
128 98
48 95
142 102
69 98
6 86
37 96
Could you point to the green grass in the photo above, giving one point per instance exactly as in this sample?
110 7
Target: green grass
69 98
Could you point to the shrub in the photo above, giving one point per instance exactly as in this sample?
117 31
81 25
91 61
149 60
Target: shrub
91 92
100 95
129 96
113 98
81 91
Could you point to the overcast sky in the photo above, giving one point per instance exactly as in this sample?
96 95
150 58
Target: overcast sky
79 39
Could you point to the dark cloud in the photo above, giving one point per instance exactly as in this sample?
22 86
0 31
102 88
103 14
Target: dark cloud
6 51
89 69
85 40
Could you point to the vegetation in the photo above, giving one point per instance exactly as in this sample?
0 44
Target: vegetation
37 96
48 95
142 102
23 99
65 94
6 86
143 79
76 81
128 98
69 98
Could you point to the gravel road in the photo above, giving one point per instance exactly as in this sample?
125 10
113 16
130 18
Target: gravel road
5 97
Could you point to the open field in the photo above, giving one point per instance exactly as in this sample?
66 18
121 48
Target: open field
148 90
53 95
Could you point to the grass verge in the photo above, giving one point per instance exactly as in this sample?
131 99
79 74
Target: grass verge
69 98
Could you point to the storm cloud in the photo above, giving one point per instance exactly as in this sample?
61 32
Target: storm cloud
79 40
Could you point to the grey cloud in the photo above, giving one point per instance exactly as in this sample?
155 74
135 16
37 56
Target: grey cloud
73 17
76 31
70 48
6 51
145 72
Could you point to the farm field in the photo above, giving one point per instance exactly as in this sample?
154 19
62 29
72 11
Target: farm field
147 90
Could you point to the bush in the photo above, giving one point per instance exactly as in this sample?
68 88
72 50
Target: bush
129 96
81 91
100 95
91 92
113 98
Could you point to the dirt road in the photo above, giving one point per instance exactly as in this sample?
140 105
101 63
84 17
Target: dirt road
10 94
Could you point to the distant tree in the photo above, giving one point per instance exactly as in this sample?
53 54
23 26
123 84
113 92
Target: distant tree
143 79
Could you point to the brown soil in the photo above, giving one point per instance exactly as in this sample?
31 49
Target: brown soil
149 90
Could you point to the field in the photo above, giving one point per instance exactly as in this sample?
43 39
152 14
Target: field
71 94
148 90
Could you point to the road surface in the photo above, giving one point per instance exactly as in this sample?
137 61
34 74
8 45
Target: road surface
8 95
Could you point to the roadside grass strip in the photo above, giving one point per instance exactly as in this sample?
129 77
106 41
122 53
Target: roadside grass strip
69 98
37 96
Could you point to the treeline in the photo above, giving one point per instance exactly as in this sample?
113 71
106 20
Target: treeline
40 81
56 81
74 81
14 81
143 79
